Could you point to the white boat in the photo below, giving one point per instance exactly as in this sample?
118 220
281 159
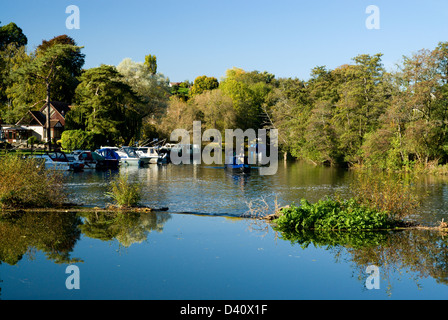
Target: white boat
152 153
129 157
51 164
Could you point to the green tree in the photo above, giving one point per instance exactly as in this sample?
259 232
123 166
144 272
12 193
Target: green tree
152 89
65 83
53 68
44 69
249 91
105 105
202 84
11 33
287 108
216 110
151 63
81 140
419 106
363 97
12 51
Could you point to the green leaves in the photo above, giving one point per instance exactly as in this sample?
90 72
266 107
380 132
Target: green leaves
81 140
202 84
123 192
332 215
106 105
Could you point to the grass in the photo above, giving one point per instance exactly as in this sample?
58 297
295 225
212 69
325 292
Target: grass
26 183
124 193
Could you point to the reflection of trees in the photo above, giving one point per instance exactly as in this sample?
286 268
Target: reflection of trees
421 252
127 228
55 234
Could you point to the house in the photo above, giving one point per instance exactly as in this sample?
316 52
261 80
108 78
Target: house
36 121
14 134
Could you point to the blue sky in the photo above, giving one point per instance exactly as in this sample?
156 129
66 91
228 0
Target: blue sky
192 38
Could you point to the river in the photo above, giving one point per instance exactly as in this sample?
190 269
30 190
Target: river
201 248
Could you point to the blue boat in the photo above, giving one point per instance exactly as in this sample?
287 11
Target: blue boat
238 164
111 159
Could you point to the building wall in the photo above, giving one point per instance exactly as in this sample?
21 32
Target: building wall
38 132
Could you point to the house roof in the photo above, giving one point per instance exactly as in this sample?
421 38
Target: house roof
16 128
59 106
54 123
40 116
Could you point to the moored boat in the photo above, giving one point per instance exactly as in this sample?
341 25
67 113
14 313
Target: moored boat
58 160
153 154
94 160
111 158
129 157
238 164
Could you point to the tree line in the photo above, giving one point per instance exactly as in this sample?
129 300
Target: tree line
356 114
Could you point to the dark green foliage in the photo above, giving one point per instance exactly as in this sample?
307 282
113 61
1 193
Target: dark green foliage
105 105
330 214
81 140
11 33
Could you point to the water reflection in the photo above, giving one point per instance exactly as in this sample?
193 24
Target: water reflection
54 234
212 190
419 253
126 228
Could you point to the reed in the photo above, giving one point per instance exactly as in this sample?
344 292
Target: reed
124 193
394 193
26 183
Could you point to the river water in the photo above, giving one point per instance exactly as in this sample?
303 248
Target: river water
201 249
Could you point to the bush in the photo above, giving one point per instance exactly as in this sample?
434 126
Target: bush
331 214
32 141
26 183
81 140
123 192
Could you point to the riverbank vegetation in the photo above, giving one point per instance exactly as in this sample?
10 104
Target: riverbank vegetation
26 183
124 193
329 215
375 201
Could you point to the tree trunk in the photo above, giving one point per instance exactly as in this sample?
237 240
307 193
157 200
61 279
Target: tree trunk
48 117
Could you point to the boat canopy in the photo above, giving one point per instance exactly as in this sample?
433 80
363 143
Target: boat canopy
108 154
